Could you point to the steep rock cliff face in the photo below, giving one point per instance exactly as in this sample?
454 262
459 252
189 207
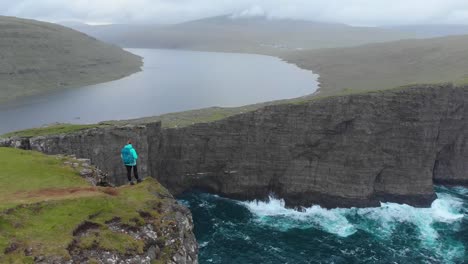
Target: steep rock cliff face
451 165
351 150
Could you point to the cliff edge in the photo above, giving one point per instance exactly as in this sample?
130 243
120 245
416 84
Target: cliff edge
342 151
50 213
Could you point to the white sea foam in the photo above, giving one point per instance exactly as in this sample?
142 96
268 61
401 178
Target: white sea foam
274 213
204 244
390 224
184 203
381 221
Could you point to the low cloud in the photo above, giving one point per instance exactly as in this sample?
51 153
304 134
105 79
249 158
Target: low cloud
355 12
253 11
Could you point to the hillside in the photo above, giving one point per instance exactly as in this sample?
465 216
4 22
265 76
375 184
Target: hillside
37 57
49 214
347 58
249 35
432 31
387 65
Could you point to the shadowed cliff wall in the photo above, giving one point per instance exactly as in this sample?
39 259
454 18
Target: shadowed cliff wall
353 150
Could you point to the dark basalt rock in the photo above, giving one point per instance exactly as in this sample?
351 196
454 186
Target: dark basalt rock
354 150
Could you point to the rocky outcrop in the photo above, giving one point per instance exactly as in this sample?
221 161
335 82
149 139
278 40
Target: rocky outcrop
83 167
354 150
148 226
169 240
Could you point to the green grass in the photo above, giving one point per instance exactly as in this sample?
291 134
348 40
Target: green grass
386 65
47 227
46 224
25 171
56 58
462 82
108 240
50 130
187 118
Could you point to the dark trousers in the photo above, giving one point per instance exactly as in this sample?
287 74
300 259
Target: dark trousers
129 172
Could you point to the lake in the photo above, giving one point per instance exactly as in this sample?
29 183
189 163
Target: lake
170 81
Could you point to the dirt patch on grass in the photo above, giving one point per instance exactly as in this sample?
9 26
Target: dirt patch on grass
78 191
60 194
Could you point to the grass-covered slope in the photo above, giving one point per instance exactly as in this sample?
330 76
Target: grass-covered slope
387 65
37 57
55 129
48 211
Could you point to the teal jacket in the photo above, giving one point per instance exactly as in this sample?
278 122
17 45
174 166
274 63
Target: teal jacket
129 160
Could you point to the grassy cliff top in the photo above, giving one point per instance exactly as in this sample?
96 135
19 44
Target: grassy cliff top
49 130
44 203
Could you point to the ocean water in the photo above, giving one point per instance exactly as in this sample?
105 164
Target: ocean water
230 231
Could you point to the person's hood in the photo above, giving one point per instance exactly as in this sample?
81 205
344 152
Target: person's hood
129 146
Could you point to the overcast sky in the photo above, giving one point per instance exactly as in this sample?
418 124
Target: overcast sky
355 12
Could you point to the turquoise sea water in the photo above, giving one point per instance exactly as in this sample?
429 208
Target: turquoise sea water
230 231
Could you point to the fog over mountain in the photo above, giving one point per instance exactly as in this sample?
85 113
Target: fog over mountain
354 12
249 34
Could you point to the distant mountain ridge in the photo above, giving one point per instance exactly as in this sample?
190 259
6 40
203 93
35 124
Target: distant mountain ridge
38 57
250 35
348 59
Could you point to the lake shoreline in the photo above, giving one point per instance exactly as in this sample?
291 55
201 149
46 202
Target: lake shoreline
209 79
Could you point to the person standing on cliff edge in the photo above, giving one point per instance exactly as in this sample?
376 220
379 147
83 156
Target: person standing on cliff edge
129 157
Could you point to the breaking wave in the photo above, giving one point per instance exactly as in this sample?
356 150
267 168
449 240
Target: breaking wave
445 209
390 233
275 214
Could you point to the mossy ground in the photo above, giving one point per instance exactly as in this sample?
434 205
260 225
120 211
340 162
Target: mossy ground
50 130
35 223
